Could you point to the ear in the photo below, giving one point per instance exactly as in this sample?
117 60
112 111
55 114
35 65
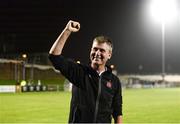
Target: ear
110 54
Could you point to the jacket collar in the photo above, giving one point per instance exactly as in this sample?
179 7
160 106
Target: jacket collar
94 72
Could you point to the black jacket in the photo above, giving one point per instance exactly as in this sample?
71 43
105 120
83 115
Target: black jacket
94 98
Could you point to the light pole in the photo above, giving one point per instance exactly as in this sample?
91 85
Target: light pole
163 11
163 51
24 56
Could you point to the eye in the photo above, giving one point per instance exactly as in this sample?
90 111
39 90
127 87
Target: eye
102 50
95 49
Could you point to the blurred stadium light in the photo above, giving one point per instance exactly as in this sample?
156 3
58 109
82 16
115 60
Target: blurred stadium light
164 11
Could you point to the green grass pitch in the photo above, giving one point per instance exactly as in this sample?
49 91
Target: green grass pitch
139 106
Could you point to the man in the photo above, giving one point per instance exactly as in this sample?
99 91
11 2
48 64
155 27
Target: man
96 93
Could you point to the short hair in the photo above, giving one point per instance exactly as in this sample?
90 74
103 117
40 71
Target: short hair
104 39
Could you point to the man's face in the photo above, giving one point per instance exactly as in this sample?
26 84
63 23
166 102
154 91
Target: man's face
100 53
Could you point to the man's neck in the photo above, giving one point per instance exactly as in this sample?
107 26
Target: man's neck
99 68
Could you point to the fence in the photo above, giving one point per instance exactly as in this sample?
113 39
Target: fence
12 72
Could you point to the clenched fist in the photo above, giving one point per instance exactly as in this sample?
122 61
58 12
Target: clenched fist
73 26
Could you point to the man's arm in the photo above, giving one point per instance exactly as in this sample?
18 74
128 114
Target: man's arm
117 103
70 69
58 45
119 120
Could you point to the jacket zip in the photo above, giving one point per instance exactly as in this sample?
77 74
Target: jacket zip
97 100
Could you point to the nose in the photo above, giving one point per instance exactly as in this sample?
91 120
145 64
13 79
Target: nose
98 52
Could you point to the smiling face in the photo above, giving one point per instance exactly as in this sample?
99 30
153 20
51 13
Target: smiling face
100 53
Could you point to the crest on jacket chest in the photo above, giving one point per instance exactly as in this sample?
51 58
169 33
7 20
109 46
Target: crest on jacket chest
109 84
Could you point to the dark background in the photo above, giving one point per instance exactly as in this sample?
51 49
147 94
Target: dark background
33 26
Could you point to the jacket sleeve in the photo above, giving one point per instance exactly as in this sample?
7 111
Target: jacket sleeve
117 100
70 69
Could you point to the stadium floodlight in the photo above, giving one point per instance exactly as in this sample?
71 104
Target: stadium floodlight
164 11
24 56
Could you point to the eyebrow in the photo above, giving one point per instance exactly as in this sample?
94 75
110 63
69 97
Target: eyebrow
98 48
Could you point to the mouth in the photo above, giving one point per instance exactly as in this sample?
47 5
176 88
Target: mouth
97 58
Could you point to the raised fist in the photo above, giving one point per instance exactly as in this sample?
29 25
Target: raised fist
73 26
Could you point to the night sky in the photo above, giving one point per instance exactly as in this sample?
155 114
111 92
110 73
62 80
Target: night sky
28 26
